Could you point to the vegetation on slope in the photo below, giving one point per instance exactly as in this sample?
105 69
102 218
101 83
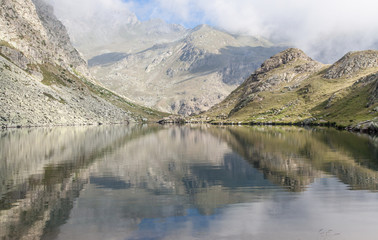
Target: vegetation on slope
53 74
292 88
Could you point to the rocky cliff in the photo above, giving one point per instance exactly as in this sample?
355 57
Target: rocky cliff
290 87
44 80
31 27
184 76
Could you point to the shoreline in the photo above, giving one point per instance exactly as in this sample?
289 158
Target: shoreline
368 129
4 127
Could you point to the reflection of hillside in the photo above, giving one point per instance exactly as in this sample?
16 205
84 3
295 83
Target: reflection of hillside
127 175
39 188
293 157
269 151
180 163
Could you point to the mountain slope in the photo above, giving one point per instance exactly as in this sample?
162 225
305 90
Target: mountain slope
185 76
291 87
44 81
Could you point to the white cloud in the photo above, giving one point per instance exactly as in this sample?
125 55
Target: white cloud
324 29
93 19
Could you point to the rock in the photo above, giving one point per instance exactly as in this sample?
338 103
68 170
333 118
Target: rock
172 120
309 121
351 63
284 57
297 66
367 126
35 46
205 63
15 56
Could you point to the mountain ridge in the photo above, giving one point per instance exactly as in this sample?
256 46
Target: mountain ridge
44 80
292 88
185 76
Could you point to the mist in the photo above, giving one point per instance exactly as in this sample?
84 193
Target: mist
325 30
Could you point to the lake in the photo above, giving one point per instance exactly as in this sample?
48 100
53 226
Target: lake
188 182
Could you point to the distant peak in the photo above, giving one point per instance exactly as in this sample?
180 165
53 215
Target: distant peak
284 57
351 63
203 27
359 54
292 54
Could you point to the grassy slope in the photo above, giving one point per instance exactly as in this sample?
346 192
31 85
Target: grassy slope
349 106
308 100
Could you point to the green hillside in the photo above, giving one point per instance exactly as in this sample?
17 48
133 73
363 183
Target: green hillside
290 87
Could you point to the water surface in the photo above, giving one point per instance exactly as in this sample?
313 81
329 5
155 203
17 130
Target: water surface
188 182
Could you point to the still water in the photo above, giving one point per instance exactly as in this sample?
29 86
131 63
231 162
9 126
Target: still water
189 182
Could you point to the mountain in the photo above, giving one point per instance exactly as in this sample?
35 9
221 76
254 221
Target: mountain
290 87
184 76
116 30
44 80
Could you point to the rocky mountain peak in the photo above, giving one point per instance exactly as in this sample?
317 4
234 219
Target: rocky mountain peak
202 27
287 58
296 67
208 38
188 75
351 63
44 80
284 57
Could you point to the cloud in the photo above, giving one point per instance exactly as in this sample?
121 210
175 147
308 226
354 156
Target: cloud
324 29
93 19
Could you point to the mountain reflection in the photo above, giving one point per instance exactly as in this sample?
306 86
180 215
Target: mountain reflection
293 157
43 170
128 174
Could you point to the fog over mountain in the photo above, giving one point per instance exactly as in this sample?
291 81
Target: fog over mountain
103 26
154 53
161 65
326 30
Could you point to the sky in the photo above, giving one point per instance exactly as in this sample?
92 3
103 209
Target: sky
324 29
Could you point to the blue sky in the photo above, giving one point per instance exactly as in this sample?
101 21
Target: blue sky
148 9
143 8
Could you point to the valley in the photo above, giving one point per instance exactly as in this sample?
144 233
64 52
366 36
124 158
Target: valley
144 71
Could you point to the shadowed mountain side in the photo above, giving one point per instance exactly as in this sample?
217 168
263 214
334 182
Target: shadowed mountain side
107 58
230 57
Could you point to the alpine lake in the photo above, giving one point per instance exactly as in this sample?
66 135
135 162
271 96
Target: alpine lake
188 182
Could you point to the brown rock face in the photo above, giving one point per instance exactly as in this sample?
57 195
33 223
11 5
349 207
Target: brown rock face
294 63
352 63
296 66
31 27
281 58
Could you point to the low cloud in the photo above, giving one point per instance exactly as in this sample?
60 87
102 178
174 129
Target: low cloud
324 29
94 20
